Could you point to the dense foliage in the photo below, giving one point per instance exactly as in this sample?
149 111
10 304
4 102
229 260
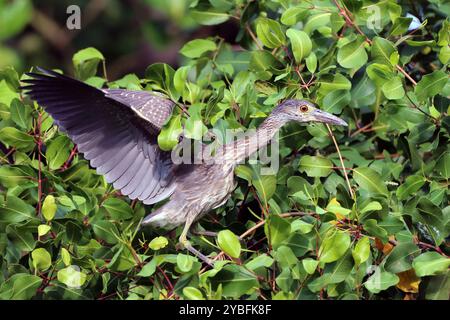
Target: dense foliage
301 233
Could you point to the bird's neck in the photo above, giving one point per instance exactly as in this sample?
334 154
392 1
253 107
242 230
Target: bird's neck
246 145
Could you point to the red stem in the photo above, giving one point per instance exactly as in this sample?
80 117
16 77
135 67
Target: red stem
69 160
39 143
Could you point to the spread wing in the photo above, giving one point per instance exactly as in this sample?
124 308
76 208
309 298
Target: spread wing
115 129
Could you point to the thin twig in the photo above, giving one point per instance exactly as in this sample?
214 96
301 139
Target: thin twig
345 14
406 75
252 35
39 144
342 161
417 107
69 160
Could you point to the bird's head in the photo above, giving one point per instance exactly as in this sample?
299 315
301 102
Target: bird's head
305 111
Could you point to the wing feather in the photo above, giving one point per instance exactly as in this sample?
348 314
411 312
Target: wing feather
115 129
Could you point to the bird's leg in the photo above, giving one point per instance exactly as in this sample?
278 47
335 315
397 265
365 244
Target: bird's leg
196 230
184 242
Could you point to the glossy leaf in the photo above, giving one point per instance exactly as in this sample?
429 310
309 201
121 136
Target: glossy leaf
229 243
301 44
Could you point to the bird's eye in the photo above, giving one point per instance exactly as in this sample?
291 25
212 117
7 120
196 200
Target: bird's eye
304 108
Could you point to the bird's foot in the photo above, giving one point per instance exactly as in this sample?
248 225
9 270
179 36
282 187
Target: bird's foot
185 244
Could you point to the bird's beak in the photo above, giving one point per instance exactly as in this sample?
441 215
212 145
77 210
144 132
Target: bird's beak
325 117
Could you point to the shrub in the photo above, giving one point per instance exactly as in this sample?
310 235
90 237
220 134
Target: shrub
371 227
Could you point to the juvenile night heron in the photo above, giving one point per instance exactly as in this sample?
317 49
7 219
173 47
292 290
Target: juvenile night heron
117 131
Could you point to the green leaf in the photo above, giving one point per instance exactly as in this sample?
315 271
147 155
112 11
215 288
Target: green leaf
317 21
430 85
43 229
369 180
261 261
270 33
49 207
180 78
372 227
86 62
16 138
277 230
302 226
192 293
430 263
194 126
65 256
401 256
7 94
311 62
185 262
235 281
87 54
400 26
21 237
444 34
195 48
363 93
393 88
158 243
381 280
15 210
372 206
423 43
336 208
301 44
20 286
292 15
339 82
161 76
315 166
149 268
379 73
361 252
438 287
209 18
412 184
335 101
41 259
229 243
106 231
431 215
244 172
118 209
20 114
285 257
310 265
382 50
71 277
168 137
442 166
353 55
334 246
58 152
333 273
265 187
444 54
284 280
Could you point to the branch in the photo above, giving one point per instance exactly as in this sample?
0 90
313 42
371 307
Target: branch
344 13
342 161
256 226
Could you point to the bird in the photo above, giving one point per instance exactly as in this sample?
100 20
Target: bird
117 130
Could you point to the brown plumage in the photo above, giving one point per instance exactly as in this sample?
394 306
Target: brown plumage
117 131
